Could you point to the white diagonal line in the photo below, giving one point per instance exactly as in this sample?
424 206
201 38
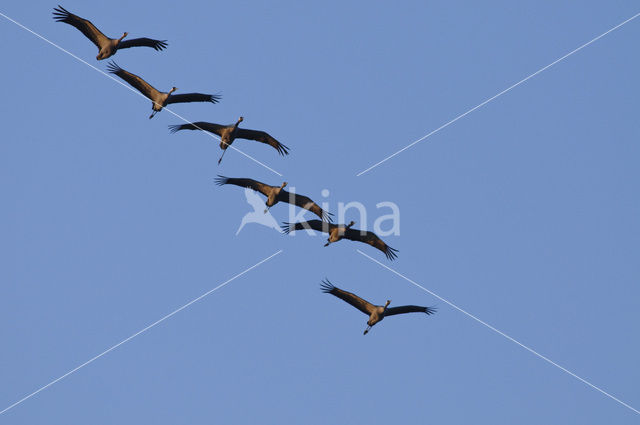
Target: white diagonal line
137 333
503 334
499 94
131 89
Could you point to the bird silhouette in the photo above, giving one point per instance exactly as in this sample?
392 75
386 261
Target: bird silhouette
258 215
375 312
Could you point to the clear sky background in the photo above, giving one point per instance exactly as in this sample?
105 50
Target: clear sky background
524 213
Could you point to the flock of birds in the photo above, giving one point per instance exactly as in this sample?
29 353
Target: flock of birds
228 133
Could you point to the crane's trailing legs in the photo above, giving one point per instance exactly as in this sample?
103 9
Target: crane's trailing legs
367 330
153 114
220 160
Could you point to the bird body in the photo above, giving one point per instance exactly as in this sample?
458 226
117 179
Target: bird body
228 134
159 99
277 194
376 313
338 232
107 46
231 132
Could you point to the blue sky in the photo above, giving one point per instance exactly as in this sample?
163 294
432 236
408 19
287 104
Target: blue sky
523 213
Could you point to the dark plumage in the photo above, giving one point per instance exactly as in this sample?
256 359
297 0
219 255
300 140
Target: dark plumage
340 231
375 312
143 42
107 46
159 99
228 133
277 194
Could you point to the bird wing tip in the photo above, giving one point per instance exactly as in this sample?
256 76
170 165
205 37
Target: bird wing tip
61 11
286 227
326 285
113 67
220 180
391 253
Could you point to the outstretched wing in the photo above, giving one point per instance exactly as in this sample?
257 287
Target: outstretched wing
198 125
143 42
253 184
60 14
306 203
263 137
141 85
193 97
317 225
371 239
409 309
362 305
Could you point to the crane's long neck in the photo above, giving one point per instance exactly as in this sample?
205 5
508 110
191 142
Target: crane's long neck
237 123
123 36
